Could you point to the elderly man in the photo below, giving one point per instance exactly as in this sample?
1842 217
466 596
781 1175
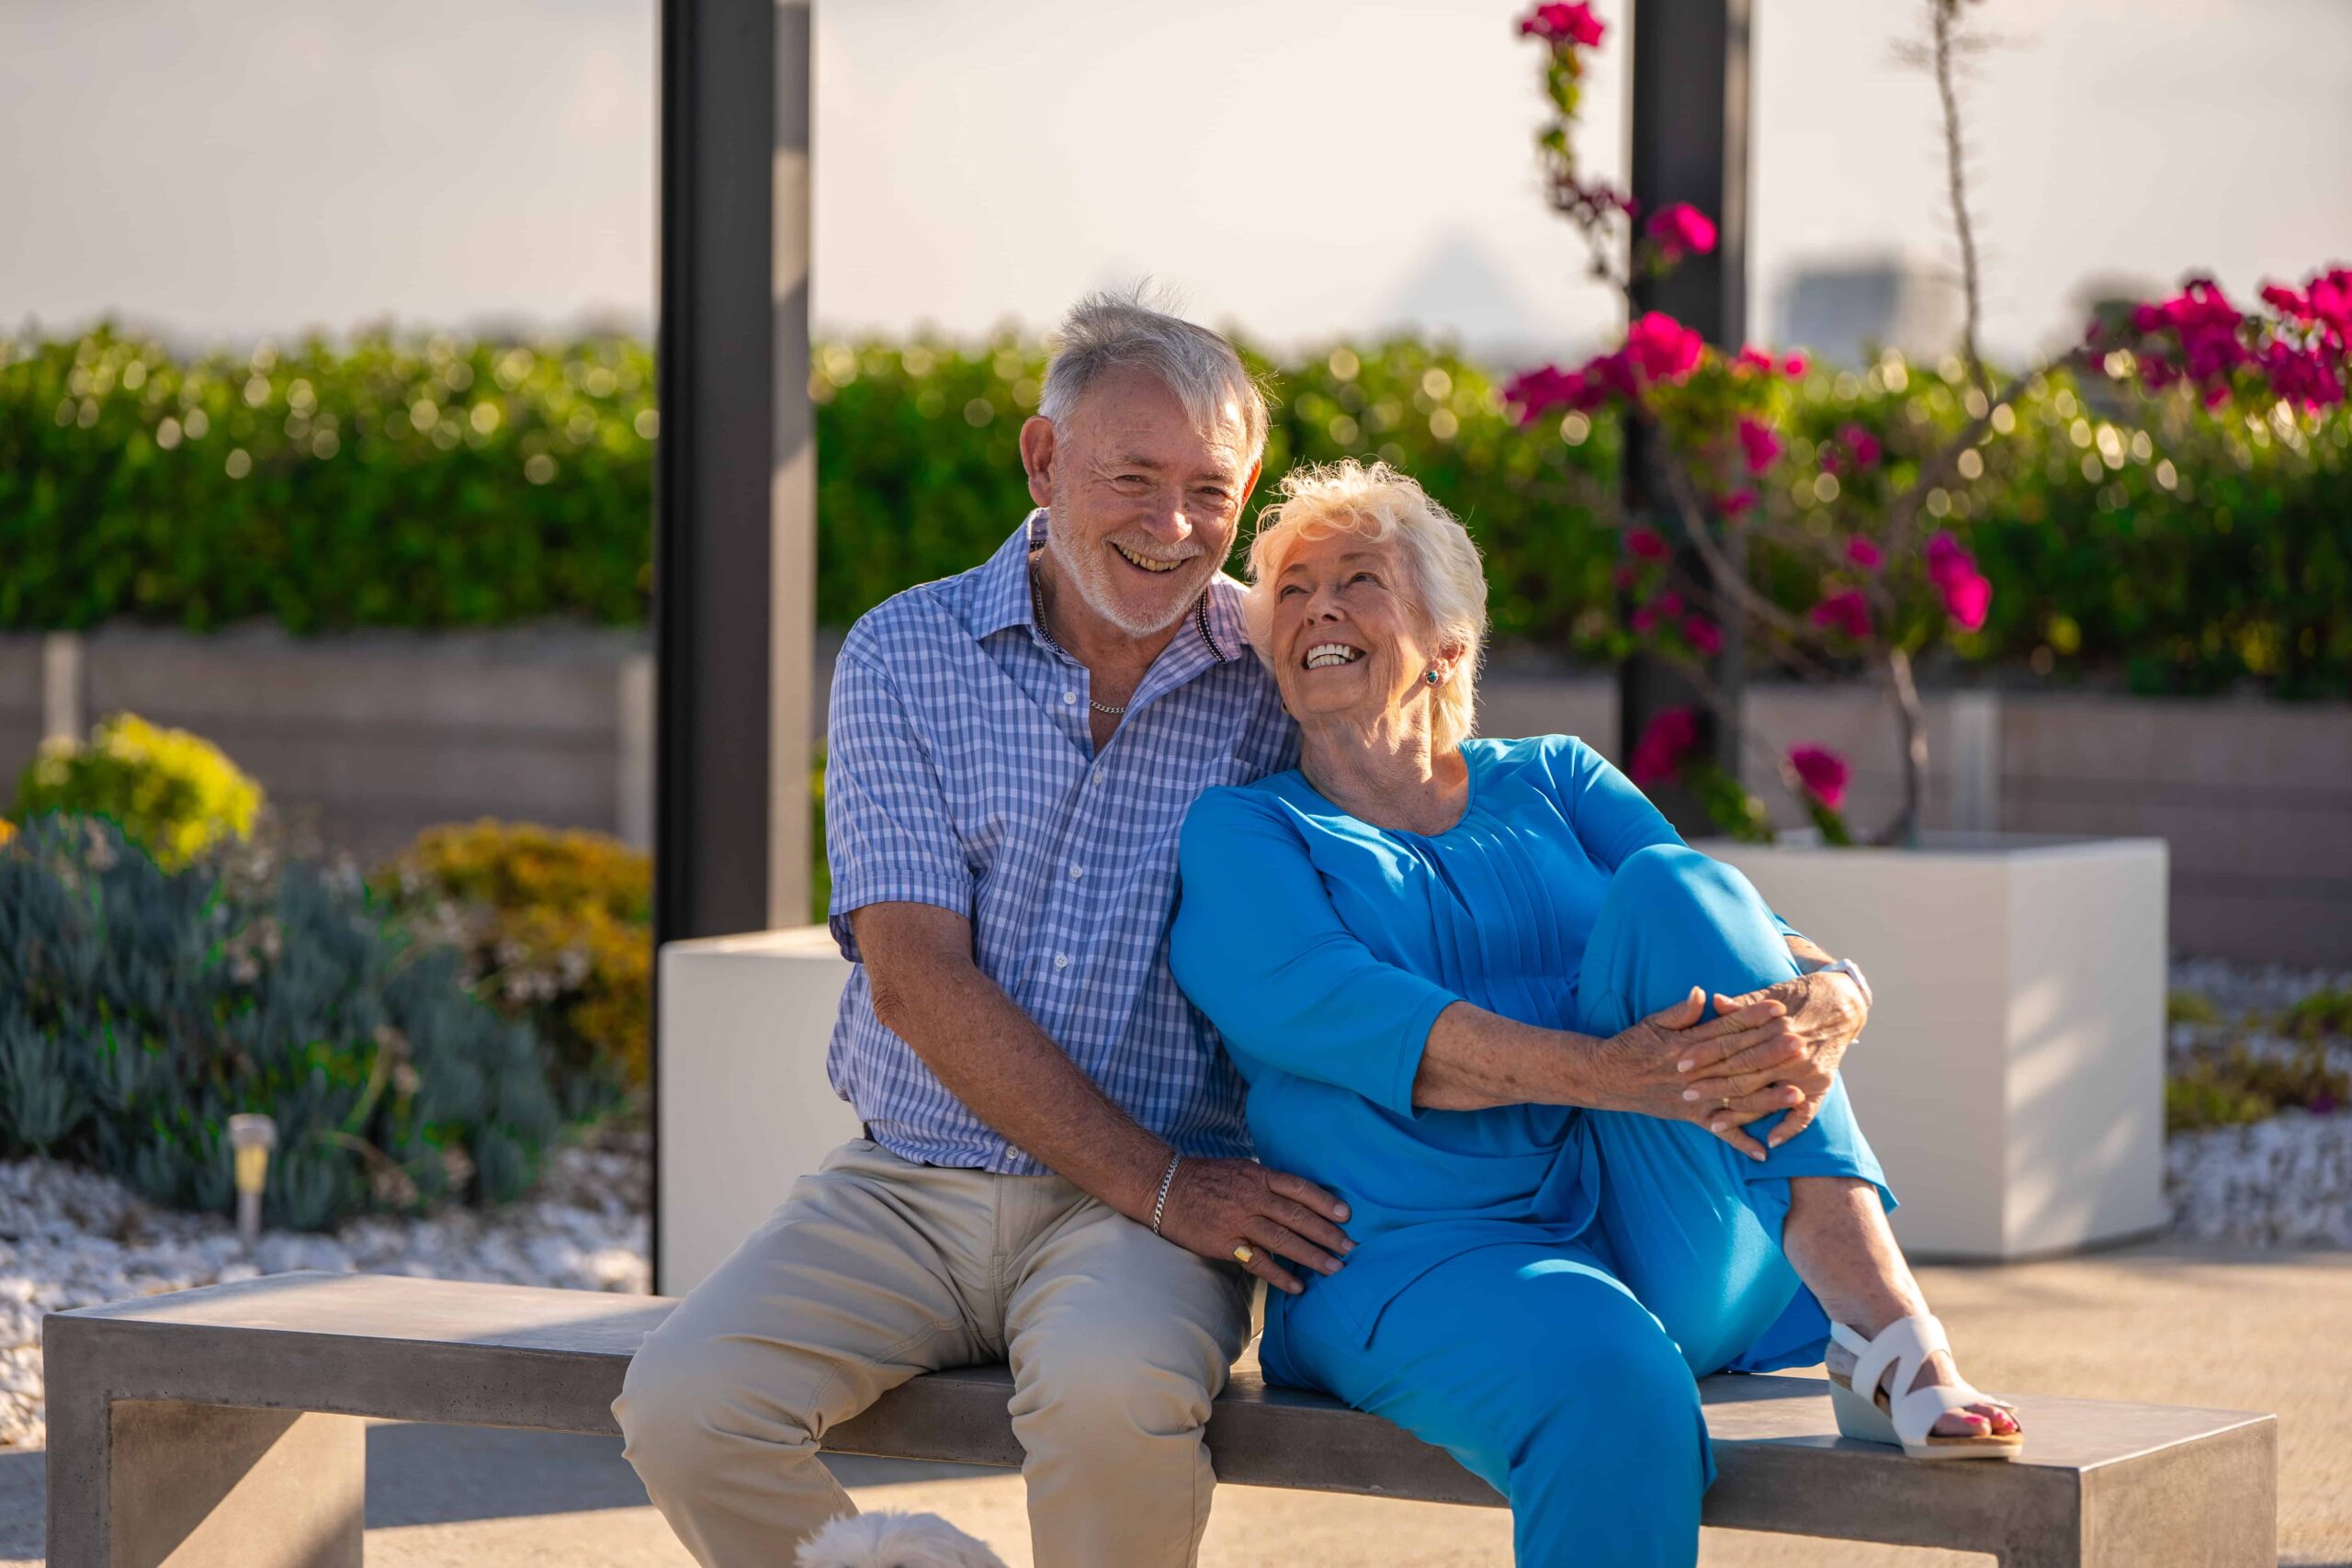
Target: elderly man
1054 1170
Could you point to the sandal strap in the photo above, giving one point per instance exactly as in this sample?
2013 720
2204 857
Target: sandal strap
1905 1345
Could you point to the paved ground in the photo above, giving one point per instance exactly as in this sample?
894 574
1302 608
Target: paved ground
2161 1324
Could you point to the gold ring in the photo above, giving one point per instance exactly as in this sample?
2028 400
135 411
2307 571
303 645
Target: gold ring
1242 1254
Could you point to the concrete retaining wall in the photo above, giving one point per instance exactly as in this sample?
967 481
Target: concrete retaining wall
382 735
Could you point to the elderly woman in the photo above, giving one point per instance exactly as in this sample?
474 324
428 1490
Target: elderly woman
1467 982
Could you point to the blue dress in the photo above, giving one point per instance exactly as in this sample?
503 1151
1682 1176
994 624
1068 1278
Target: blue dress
1534 1288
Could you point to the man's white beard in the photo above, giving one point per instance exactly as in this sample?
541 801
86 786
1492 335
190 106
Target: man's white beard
1089 574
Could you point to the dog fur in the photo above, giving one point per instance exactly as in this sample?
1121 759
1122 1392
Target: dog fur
895 1541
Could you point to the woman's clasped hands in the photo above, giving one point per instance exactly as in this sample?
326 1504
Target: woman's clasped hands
1769 1051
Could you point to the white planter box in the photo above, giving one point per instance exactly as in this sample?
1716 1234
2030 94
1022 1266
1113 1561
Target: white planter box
2012 1075
744 1107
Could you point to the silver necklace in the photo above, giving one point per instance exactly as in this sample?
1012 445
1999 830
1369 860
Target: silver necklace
1037 614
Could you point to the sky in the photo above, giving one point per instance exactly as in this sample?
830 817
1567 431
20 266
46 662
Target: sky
242 168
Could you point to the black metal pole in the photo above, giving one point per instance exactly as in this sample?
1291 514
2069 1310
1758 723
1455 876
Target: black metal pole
1689 58
713 558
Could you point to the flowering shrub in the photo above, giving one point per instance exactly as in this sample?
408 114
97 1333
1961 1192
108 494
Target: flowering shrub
174 793
1854 546
554 928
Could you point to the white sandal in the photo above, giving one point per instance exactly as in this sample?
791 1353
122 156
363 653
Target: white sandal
1907 1420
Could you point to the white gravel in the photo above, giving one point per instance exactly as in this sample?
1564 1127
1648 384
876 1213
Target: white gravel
2284 1182
70 1238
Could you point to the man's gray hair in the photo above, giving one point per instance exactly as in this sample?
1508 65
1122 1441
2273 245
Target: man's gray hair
1106 330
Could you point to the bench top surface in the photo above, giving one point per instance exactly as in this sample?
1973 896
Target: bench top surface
374 1317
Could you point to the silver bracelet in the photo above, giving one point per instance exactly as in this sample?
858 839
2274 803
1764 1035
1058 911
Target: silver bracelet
1166 1180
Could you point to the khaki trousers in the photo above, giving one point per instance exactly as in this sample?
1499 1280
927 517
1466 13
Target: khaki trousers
876 1270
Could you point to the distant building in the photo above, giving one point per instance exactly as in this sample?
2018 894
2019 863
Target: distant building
1461 289
1843 311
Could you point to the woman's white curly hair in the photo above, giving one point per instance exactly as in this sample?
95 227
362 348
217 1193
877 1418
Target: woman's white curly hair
1446 582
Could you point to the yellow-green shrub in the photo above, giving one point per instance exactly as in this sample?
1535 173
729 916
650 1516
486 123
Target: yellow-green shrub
173 793
556 925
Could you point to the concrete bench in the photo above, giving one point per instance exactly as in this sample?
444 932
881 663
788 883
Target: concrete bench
222 1428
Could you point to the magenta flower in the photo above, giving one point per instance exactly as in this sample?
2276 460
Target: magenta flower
2307 378
1966 593
1570 23
1735 503
1537 392
1658 754
1861 552
1860 446
1793 365
1682 230
1823 772
1845 612
1663 349
1702 634
2330 296
1968 599
1647 543
1759 443
2291 302
1667 603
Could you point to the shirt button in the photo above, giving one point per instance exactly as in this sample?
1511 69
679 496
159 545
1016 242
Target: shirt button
1061 960
1076 871
1069 696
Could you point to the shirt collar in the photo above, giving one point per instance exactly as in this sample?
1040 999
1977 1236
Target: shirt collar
1001 597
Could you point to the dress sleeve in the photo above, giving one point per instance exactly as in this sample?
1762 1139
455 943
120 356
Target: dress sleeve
1260 950
1609 814
888 836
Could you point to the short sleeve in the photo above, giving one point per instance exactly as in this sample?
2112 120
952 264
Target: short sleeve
1260 950
1610 816
889 836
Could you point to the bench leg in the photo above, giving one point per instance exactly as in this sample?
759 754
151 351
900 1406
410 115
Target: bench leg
156 1484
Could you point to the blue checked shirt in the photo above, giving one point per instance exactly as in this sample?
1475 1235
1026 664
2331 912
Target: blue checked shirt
960 772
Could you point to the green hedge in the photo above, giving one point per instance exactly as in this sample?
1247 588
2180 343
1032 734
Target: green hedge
445 483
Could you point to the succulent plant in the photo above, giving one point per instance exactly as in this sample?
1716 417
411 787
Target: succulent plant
141 1007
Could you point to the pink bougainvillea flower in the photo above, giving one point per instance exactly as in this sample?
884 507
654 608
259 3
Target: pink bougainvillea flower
2331 301
1864 554
1968 599
1751 357
1647 543
2291 302
1966 592
1945 557
1537 392
1668 738
1681 230
1794 365
2309 378
1737 502
1663 349
1759 443
1644 618
1702 634
1846 612
1570 23
1860 446
1823 772
1667 603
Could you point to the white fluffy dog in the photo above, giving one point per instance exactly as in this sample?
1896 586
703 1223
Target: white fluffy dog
895 1541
